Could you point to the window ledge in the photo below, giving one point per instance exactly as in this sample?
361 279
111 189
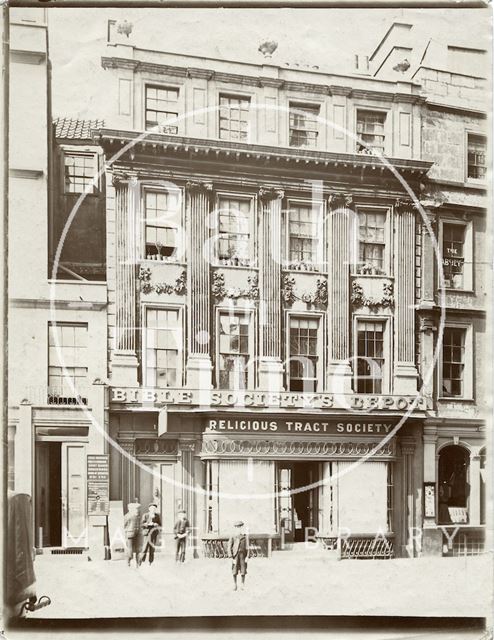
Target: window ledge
217 265
311 272
453 290
465 400
174 262
371 275
475 184
76 282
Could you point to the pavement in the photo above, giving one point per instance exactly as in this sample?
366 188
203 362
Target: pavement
311 584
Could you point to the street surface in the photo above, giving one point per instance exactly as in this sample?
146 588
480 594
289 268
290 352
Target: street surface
297 584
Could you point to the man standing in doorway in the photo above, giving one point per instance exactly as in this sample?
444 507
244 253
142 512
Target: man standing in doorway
181 529
151 524
238 550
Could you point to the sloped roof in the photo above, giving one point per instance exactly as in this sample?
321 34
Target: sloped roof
75 129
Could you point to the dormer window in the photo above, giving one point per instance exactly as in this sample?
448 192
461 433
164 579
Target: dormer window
161 107
370 130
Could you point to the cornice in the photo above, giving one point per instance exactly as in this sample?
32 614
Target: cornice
251 80
219 149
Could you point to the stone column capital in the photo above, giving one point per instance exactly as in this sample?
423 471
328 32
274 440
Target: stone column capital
199 186
404 205
407 445
427 324
340 200
186 445
127 445
266 194
124 179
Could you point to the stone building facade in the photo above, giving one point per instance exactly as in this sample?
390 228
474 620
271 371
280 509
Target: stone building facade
273 304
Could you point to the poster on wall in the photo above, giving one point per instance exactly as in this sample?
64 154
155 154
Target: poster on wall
430 500
98 484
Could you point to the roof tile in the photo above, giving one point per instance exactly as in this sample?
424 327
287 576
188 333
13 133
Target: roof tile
73 128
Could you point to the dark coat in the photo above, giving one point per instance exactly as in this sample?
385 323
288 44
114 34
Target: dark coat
181 527
132 524
150 525
21 580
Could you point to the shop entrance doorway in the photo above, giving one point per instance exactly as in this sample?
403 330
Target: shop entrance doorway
297 505
60 495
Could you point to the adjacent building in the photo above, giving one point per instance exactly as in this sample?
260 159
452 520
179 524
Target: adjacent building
270 280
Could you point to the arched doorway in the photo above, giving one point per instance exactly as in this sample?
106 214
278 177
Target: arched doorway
453 485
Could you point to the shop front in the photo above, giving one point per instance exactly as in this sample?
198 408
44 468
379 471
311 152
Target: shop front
299 480
294 475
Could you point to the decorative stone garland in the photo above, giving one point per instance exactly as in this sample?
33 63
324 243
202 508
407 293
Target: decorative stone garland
320 296
219 290
358 298
179 287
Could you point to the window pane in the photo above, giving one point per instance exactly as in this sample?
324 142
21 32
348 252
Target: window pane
161 106
234 219
477 166
370 356
80 169
303 125
370 128
233 347
163 344
453 360
372 226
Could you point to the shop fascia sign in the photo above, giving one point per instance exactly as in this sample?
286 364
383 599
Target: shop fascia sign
206 398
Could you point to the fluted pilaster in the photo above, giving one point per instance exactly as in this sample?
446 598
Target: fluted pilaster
198 198
408 500
124 362
404 259
342 226
270 365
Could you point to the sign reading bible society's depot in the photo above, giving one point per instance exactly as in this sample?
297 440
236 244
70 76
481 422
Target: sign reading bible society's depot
261 399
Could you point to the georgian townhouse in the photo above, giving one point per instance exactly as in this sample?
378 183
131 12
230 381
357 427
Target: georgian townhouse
283 269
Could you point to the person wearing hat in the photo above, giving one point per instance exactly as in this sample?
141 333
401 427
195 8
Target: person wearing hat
151 524
181 529
238 550
132 527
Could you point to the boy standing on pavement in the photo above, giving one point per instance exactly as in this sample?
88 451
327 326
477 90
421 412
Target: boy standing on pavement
238 550
132 526
181 530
